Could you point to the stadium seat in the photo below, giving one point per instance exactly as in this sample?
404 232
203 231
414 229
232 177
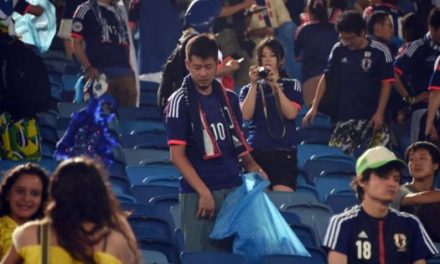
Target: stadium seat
139 156
318 256
339 201
153 257
126 127
151 227
167 248
325 183
144 139
279 198
211 258
306 151
136 113
319 164
143 193
138 173
315 215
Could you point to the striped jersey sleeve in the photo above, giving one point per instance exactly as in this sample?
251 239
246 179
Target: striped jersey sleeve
434 84
337 235
176 119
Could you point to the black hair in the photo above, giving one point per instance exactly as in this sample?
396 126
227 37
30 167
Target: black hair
202 46
382 172
318 9
434 18
351 22
274 45
428 146
11 177
412 28
378 17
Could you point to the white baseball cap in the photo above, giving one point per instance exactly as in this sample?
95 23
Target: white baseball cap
376 157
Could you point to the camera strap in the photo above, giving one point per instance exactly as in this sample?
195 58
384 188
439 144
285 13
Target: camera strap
279 111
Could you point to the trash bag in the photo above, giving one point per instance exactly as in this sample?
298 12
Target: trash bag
256 224
38 31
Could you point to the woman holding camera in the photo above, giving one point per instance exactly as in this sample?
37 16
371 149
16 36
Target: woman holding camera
269 105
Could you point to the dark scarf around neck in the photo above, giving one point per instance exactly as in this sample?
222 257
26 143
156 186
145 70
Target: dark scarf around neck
205 140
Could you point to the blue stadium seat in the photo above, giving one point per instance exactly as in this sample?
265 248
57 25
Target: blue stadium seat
145 139
339 201
140 156
165 247
306 151
120 184
136 113
319 164
126 127
138 173
325 183
143 193
280 198
315 215
211 258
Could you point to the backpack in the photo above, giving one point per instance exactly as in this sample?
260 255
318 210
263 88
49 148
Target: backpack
173 72
26 86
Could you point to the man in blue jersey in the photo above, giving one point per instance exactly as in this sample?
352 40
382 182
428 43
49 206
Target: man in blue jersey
372 232
415 67
206 142
431 131
101 44
364 72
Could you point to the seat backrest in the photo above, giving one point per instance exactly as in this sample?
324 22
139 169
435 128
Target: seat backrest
165 247
326 183
340 201
315 215
138 173
211 258
306 151
143 193
138 156
280 198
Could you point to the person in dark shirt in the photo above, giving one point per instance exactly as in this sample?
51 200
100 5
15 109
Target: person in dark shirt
365 72
372 232
101 43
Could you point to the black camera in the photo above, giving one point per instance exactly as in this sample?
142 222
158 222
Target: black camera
262 72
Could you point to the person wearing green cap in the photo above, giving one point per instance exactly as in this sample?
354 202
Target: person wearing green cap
372 232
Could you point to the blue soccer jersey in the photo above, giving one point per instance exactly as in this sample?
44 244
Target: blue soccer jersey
258 131
106 39
416 65
361 73
434 84
217 173
397 238
313 44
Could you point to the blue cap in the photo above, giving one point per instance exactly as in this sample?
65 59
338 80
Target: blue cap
201 14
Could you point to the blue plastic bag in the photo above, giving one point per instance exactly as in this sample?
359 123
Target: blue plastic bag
38 31
256 224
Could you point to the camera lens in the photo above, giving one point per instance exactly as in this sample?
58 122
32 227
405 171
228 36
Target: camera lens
262 72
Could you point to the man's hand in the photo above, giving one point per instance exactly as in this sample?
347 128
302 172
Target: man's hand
376 121
431 132
308 118
206 205
92 73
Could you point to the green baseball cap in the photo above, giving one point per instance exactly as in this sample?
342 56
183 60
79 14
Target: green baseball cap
376 157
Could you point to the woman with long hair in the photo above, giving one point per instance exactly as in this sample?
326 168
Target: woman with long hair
270 104
23 195
83 221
